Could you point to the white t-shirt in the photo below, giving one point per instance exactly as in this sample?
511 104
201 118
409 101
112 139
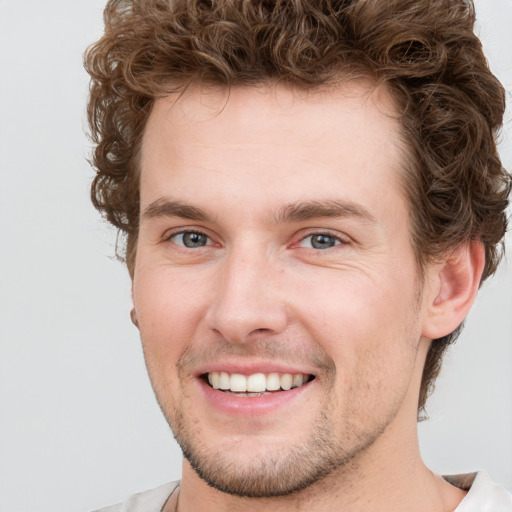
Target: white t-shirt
484 496
147 501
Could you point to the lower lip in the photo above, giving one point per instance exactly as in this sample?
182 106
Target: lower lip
249 406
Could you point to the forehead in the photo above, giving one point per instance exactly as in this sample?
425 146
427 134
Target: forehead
282 142
352 107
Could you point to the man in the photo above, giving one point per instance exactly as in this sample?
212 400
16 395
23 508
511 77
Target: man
311 197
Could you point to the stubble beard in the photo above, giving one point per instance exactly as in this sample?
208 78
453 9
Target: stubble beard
334 444
272 474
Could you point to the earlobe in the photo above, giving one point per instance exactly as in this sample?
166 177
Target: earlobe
133 313
133 316
456 281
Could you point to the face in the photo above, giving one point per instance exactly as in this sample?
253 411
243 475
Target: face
275 286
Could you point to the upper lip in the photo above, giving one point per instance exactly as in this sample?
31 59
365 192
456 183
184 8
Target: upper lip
250 368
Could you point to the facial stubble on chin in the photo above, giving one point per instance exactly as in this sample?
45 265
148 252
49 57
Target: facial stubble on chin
270 475
274 473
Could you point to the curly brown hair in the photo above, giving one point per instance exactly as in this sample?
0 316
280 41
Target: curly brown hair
424 51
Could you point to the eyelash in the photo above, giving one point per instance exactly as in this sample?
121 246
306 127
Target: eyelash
338 241
172 236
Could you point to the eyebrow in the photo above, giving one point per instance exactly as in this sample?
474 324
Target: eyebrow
306 210
168 208
292 212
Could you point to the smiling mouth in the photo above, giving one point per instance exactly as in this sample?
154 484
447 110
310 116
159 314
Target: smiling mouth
257 384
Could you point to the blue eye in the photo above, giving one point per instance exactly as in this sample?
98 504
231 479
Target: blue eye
190 239
320 241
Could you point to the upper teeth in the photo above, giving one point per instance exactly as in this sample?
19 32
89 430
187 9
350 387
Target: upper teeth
255 383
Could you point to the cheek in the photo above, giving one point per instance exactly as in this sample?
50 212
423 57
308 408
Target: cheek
370 329
169 310
367 309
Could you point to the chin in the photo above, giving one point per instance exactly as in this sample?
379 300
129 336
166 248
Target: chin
265 474
257 469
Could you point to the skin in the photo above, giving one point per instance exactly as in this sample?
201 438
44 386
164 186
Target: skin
355 314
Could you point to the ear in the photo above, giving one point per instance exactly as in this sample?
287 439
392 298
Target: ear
453 287
133 313
133 317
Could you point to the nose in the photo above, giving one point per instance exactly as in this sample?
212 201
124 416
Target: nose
248 298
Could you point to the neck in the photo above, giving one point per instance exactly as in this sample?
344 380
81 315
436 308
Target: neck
395 481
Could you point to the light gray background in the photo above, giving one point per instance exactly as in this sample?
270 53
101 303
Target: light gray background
79 425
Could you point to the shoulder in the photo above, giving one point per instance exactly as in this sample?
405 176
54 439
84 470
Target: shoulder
484 495
147 501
